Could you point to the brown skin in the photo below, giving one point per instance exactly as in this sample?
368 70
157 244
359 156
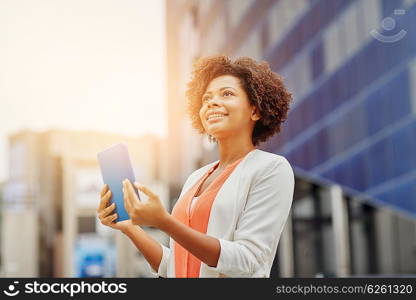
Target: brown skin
233 132
265 90
150 248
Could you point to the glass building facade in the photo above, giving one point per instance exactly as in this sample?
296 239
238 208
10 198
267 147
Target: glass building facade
351 67
353 121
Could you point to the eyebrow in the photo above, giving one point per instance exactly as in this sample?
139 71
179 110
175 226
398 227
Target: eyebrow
223 88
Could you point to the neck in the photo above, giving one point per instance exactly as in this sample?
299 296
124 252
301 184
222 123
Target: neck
233 148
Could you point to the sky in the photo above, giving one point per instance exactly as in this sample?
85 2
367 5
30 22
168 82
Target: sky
81 65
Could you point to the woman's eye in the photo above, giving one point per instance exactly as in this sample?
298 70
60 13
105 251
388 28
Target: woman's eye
228 93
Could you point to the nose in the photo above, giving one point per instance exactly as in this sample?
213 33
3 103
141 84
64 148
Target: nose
212 102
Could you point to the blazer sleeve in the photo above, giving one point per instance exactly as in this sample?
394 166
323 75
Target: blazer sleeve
260 224
163 266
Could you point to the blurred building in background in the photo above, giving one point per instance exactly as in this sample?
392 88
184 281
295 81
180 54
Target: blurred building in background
49 222
350 135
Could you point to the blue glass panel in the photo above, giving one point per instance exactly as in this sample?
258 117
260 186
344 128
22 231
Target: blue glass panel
404 196
404 150
358 166
317 60
380 164
389 6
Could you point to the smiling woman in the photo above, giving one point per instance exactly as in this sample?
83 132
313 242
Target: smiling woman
225 108
243 83
230 214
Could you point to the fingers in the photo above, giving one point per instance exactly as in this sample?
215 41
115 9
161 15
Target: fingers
108 220
131 194
130 190
107 210
104 190
145 190
104 201
127 204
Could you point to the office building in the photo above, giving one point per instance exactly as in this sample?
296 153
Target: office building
49 223
351 66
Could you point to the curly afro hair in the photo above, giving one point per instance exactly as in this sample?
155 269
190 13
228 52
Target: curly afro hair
264 88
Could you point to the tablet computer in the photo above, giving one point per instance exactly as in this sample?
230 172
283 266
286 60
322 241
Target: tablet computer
115 165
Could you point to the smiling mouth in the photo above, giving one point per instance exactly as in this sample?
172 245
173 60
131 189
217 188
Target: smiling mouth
214 117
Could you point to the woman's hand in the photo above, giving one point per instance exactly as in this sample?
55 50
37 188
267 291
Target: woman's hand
105 214
150 213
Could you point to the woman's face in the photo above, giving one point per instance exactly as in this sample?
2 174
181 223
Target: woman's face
226 109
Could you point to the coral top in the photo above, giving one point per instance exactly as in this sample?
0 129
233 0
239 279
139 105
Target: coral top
197 217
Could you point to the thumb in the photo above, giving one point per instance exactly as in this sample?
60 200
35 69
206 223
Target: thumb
145 190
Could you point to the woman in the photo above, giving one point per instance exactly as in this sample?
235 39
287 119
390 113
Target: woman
230 214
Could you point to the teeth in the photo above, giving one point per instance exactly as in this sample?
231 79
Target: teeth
215 116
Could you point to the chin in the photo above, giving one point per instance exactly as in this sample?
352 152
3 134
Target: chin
218 135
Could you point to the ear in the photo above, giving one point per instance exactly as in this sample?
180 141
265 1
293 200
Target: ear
255 115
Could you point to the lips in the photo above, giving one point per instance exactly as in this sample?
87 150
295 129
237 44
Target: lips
213 115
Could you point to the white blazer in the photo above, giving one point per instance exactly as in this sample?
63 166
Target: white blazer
247 216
